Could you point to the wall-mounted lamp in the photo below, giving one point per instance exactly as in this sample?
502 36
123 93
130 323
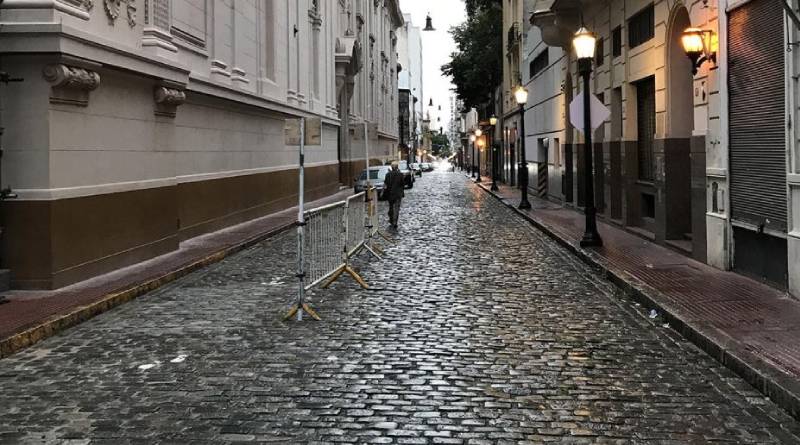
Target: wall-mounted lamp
698 45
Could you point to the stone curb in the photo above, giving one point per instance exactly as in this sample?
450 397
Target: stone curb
769 380
59 323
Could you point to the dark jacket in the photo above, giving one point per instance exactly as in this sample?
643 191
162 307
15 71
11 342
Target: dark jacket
395 185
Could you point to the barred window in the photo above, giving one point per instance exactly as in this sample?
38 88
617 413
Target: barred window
641 27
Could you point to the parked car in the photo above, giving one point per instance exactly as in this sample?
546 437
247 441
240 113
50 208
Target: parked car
427 167
408 174
416 169
376 177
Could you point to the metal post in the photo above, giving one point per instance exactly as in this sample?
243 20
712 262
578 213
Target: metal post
494 163
301 224
590 236
301 305
478 178
523 162
472 160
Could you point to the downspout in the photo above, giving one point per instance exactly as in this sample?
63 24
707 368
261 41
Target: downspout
722 19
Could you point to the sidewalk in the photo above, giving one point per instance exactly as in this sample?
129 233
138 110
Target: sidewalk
28 317
749 327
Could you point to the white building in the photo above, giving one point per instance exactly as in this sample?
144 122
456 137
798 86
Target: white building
143 123
410 80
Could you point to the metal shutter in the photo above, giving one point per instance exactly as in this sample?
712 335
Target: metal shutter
757 115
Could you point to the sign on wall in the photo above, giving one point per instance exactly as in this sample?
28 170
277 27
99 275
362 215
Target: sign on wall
313 131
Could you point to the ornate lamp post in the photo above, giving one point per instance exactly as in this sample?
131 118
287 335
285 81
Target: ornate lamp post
481 143
472 139
585 43
493 122
521 96
476 167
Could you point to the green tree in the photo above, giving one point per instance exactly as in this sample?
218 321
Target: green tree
440 144
476 67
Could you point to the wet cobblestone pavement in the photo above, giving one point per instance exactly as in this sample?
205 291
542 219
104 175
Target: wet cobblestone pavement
478 330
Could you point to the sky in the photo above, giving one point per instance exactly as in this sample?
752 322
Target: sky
436 48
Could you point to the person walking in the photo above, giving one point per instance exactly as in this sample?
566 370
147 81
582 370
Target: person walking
395 192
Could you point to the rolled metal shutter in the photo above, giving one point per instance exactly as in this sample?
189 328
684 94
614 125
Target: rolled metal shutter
757 114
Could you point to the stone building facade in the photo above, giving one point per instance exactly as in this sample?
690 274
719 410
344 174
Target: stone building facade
143 123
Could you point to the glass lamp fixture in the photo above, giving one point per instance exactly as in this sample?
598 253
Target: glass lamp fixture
521 95
493 120
472 138
697 46
478 132
585 43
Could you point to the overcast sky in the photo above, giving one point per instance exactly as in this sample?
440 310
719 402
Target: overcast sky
436 48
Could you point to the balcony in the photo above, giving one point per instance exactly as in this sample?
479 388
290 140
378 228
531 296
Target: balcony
558 20
514 38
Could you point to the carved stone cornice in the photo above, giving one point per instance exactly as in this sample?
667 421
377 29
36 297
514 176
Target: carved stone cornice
168 100
70 84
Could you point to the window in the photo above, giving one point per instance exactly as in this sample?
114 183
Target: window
641 27
600 52
539 63
616 42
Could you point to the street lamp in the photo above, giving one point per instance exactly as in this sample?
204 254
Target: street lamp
493 123
585 43
697 43
472 139
481 144
429 23
521 96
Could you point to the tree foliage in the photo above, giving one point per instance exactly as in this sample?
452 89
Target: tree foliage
476 67
440 144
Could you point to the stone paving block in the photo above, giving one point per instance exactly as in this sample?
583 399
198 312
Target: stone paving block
478 330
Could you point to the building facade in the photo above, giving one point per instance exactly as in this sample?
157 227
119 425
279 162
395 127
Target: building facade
702 162
410 85
143 123
514 25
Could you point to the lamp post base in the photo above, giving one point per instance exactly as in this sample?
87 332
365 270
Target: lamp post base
495 188
590 236
591 240
524 204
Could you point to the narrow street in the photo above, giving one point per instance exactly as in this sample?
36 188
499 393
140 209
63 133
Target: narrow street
478 329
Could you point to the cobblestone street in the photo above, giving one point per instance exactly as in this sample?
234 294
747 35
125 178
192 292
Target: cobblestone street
477 330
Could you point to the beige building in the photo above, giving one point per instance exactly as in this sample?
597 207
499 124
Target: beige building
654 153
515 25
143 123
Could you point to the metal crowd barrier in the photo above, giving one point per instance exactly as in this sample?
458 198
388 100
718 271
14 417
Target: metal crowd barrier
323 244
334 234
